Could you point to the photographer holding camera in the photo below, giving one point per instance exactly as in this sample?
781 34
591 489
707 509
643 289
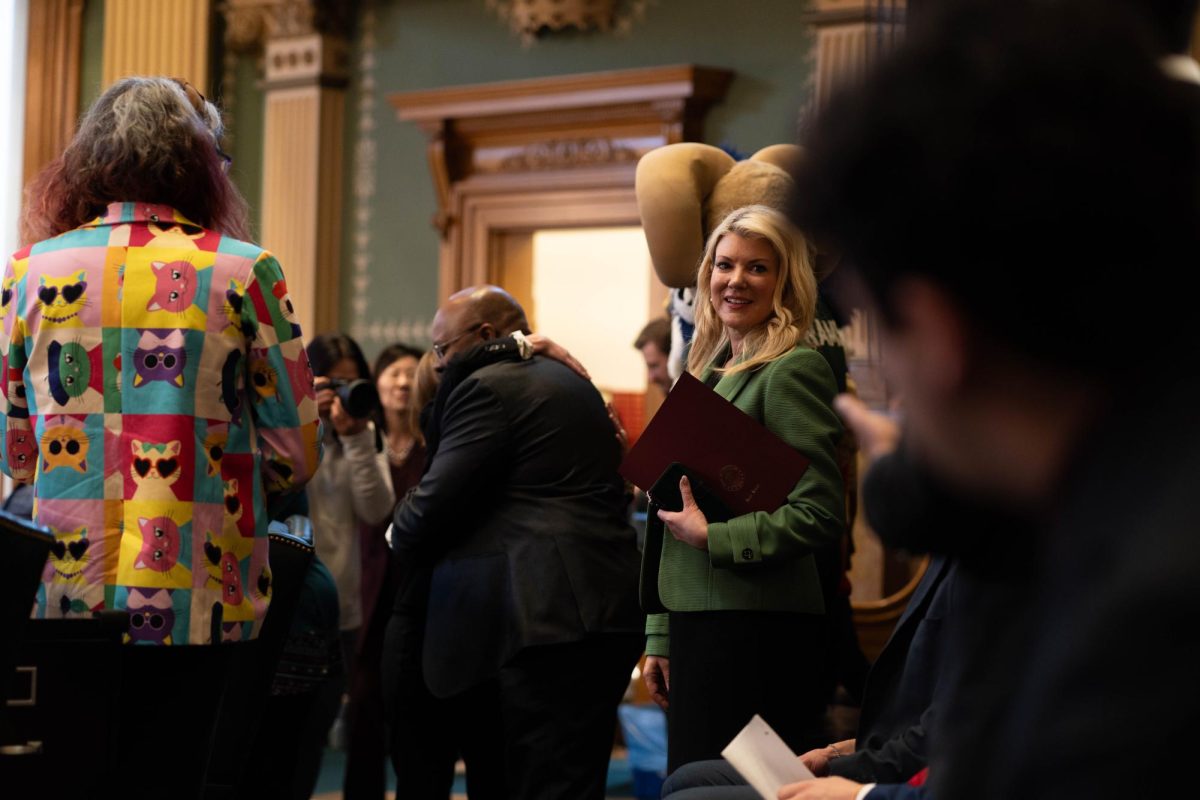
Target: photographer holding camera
353 488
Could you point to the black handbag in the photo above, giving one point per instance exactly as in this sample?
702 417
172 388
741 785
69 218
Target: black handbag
665 494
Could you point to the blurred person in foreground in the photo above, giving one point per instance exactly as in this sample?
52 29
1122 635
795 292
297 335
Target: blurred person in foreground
158 393
532 626
1012 231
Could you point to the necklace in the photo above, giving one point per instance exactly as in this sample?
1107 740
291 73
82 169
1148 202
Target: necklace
398 457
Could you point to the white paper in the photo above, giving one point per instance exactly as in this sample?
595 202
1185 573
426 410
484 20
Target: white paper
764 760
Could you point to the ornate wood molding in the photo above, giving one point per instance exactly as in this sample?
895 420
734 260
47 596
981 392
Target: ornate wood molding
595 121
547 152
51 80
531 18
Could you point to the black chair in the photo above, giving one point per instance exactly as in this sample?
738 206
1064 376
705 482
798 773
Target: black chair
24 548
249 681
63 708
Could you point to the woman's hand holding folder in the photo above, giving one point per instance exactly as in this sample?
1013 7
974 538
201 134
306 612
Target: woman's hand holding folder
688 525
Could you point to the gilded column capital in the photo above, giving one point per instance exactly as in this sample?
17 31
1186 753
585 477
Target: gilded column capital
251 24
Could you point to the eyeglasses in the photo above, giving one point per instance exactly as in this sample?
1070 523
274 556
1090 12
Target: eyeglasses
200 105
193 95
439 348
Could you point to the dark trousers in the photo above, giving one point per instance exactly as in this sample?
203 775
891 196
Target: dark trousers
366 740
708 780
287 753
727 666
544 728
170 698
420 729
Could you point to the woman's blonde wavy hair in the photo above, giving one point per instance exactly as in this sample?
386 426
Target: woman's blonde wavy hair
793 306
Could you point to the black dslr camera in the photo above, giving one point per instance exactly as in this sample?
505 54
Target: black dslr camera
360 398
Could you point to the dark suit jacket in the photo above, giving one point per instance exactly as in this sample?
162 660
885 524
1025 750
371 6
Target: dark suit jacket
899 704
521 513
898 791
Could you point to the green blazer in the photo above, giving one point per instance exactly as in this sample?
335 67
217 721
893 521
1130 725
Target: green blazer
763 561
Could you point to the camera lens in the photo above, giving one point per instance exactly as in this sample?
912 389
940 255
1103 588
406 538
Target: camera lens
359 398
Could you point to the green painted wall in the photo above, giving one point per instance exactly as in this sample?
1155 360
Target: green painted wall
421 44
244 123
91 61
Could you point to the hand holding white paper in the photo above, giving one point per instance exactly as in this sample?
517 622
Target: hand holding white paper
765 760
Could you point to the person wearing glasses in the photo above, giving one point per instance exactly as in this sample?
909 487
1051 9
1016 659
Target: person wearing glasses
159 397
532 624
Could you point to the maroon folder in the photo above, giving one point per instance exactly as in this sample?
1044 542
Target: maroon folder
739 460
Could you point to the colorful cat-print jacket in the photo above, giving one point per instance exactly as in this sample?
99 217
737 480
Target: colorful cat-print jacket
156 391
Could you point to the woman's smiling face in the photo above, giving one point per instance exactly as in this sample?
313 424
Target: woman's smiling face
742 288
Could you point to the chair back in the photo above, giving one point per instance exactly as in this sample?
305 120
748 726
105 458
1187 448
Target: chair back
249 683
24 548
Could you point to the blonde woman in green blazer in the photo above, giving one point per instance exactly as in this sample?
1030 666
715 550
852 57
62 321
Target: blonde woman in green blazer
744 632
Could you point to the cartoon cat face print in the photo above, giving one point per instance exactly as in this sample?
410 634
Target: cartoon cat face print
151 615
22 452
215 440
155 467
223 569
69 371
233 503
69 555
235 302
279 290
64 444
6 295
173 234
159 359
160 544
62 299
264 379
277 474
174 286
231 395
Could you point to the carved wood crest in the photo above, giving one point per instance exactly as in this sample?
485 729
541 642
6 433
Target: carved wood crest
530 19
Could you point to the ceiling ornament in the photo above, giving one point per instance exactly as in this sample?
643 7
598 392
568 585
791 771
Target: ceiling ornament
531 19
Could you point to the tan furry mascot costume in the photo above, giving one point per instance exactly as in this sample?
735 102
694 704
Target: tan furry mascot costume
683 192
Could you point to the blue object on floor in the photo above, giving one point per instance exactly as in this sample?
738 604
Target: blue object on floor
645 730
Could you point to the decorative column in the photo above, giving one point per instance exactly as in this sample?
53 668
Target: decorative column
51 80
304 50
851 34
152 37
